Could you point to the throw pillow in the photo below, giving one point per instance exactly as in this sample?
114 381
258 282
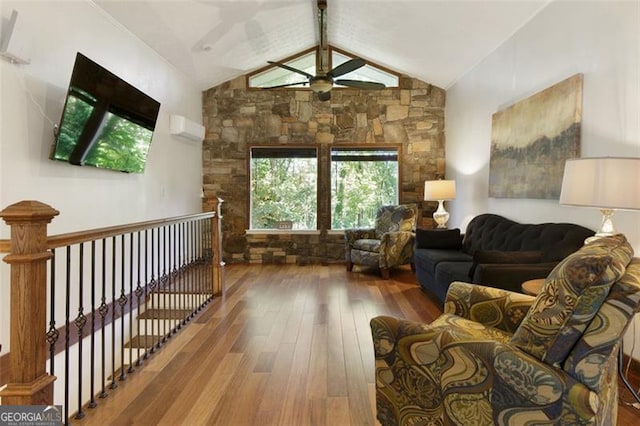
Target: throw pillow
439 239
501 257
570 298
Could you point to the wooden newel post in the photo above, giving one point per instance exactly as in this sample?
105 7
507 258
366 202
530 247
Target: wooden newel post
29 383
216 246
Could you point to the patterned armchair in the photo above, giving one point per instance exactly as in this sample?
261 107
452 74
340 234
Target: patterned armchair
388 244
497 357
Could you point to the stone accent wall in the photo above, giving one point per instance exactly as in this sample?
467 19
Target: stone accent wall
236 117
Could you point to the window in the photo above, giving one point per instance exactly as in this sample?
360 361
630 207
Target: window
283 188
275 76
365 73
362 180
306 61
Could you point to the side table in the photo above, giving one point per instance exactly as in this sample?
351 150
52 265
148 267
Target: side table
532 287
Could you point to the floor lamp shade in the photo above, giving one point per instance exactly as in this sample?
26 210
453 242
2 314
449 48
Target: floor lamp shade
608 183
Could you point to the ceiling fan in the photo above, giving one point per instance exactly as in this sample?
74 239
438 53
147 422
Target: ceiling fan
322 83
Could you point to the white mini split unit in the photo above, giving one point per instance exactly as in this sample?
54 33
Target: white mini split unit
182 126
12 48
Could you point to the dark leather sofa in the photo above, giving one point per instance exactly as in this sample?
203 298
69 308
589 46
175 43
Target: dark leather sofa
494 251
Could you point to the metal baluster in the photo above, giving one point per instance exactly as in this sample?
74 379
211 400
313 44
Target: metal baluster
165 311
147 289
153 295
183 272
52 333
122 301
131 369
139 292
160 295
114 384
80 322
192 264
172 311
174 276
196 252
66 332
92 402
103 310
200 266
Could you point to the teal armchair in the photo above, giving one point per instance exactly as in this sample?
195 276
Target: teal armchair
388 244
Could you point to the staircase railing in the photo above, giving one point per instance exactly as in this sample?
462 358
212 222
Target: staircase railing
98 303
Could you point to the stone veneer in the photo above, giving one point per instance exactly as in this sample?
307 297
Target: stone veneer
236 117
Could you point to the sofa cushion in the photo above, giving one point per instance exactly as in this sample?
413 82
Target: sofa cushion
448 272
503 257
429 258
570 298
439 239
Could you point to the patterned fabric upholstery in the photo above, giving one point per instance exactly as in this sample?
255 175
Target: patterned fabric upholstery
465 369
389 244
570 298
394 219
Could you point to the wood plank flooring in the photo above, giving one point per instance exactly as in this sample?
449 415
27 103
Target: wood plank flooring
285 345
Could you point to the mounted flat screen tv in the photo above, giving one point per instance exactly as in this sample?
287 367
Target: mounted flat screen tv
106 122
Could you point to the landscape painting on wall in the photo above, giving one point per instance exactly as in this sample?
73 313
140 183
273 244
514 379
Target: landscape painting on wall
531 140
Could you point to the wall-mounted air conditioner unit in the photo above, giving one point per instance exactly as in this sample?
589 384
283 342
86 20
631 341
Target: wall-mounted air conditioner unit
12 43
182 126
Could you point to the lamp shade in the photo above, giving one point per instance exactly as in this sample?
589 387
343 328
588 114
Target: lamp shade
435 190
604 182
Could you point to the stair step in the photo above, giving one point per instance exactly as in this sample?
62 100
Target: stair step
175 300
165 314
144 341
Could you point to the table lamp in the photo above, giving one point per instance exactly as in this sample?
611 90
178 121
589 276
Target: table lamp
607 183
440 191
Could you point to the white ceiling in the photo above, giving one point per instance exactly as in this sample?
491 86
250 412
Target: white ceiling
213 41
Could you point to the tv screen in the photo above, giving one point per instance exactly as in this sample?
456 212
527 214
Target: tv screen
106 122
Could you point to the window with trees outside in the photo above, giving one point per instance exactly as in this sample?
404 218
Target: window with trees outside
284 188
362 180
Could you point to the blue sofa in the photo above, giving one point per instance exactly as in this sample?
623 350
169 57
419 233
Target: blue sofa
494 251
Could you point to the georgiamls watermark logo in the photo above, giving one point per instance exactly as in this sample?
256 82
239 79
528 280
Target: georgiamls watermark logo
30 415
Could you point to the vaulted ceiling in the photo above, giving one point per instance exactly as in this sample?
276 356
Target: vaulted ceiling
213 41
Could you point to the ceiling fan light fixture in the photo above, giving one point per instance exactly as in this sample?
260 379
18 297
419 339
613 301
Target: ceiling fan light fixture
319 85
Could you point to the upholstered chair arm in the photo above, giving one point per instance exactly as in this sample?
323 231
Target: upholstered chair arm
459 372
351 235
396 248
501 309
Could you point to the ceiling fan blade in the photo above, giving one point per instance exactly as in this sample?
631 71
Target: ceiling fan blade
358 84
347 67
287 67
286 85
324 96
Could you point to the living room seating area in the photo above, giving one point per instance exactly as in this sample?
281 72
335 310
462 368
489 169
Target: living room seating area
499 357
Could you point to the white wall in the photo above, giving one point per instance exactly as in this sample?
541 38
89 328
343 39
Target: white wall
600 39
32 98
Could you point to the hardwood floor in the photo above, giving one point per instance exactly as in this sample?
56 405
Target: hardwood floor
286 345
